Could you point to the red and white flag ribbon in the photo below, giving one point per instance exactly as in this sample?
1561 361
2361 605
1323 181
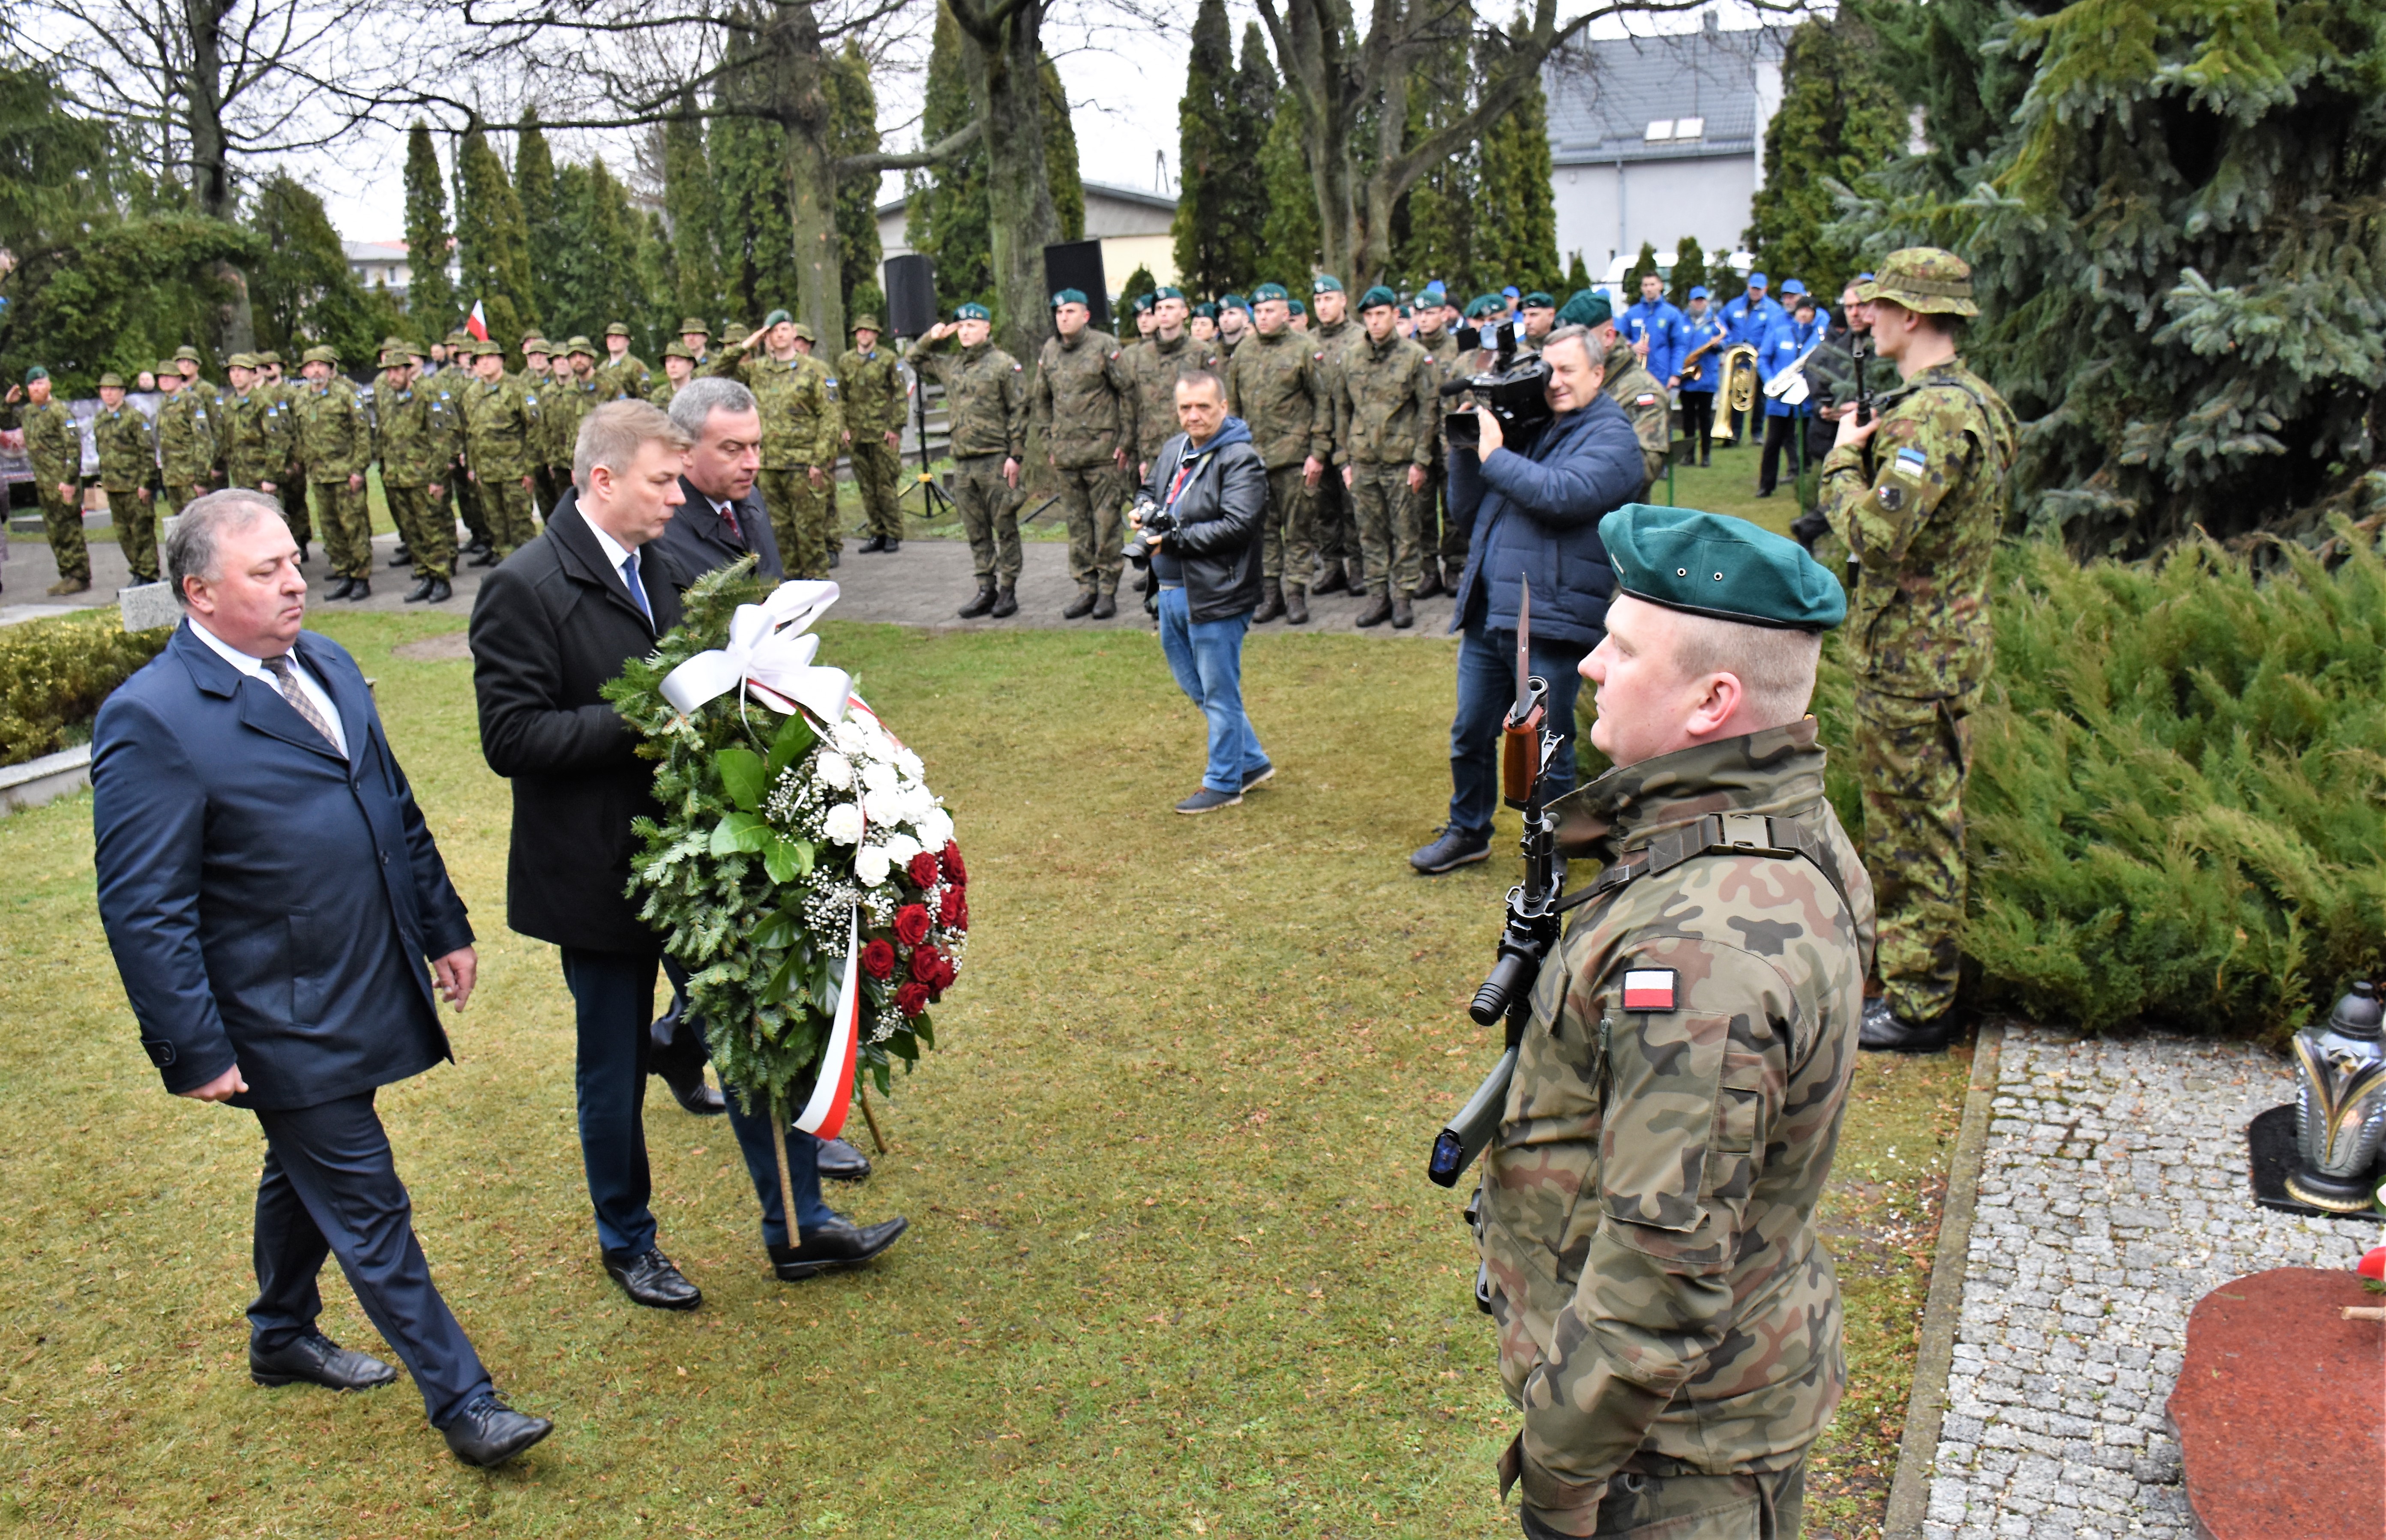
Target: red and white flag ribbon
477 323
823 1115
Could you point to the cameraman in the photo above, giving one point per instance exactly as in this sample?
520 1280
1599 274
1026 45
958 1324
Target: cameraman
1200 517
1534 509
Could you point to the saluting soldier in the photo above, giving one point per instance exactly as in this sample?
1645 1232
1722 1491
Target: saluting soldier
1669 1325
335 446
623 376
501 417
874 400
1084 402
1338 533
1277 385
417 424
986 416
1387 414
800 432
54 445
1919 496
257 434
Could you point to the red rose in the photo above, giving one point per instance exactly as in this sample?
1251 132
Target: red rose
924 870
911 925
927 964
953 868
952 911
878 958
946 971
911 999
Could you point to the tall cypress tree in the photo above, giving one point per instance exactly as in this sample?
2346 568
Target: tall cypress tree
947 218
692 208
1689 268
614 229
1060 153
1434 224
756 233
854 130
534 185
1521 244
570 260
1212 254
1289 239
491 243
1839 119
430 296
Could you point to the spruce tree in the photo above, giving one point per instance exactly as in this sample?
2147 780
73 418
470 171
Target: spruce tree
1433 225
1577 276
430 296
1520 246
1839 119
534 185
492 244
948 218
1289 239
854 119
614 231
757 238
1212 254
691 207
1139 281
1060 153
1690 271
569 268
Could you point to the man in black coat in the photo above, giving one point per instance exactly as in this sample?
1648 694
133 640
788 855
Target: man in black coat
550 627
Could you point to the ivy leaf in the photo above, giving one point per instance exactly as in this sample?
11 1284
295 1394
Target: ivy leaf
742 776
795 740
740 832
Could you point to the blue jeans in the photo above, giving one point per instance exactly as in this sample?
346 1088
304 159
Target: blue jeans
1487 689
1207 658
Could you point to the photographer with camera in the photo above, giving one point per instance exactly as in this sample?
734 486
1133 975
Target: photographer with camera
1198 525
1530 488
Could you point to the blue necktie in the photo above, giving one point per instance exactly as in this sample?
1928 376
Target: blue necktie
637 589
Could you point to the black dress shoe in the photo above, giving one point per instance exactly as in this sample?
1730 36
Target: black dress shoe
650 1280
489 1432
841 1162
1886 1031
694 1093
838 1244
421 591
316 1359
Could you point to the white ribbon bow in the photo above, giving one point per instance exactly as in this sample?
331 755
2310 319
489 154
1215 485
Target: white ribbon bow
770 650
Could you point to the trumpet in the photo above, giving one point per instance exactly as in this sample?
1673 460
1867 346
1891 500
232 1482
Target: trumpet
1735 388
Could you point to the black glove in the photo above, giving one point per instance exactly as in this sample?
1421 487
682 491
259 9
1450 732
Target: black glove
1808 528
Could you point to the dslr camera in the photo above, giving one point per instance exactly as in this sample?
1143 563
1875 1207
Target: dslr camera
1146 518
1516 392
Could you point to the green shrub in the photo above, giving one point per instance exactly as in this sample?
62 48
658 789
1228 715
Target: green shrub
54 673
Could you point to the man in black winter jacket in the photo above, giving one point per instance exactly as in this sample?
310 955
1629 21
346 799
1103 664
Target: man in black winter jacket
1211 487
1534 507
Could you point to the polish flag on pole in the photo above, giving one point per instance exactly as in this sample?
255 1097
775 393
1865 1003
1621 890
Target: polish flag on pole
477 323
823 1115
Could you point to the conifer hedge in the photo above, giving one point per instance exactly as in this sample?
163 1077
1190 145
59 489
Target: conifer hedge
54 674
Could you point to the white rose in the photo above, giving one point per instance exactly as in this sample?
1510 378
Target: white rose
871 864
847 736
900 848
879 777
883 806
843 823
908 763
834 770
936 828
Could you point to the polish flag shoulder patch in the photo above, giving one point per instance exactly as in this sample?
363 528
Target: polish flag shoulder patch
1648 989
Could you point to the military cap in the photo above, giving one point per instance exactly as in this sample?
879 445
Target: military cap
619 329
393 344
1482 306
1432 293
112 382
534 344
1234 302
1712 564
459 338
187 351
36 372
1269 291
1699 291
1299 308
329 356
1406 312
1325 283
1794 286
581 344
1378 296
1068 296
166 365
678 349
1166 291
689 325
394 358
805 332
1538 301
867 322
270 356
241 360
1925 279
416 350
972 312
774 318
1586 307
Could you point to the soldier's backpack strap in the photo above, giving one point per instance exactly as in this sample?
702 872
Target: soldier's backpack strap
1724 834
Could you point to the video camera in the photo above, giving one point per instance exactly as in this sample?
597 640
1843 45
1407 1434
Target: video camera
1516 392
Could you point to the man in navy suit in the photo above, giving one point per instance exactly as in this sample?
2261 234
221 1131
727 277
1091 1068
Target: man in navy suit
245 799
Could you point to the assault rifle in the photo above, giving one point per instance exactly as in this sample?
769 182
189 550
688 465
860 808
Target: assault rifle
1526 745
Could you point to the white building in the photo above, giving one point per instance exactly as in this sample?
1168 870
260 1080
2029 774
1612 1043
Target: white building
379 262
1132 225
1653 139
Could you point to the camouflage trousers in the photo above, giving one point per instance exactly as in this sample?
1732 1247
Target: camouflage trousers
426 526
831 520
176 496
1388 533
1692 1507
347 528
1330 518
505 509
63 520
878 476
468 507
1913 759
136 531
1091 494
295 512
1287 531
800 514
1434 516
989 510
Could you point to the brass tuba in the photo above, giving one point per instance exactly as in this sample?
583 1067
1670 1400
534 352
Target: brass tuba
1735 388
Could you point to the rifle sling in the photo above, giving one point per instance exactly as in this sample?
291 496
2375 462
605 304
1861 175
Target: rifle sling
1724 834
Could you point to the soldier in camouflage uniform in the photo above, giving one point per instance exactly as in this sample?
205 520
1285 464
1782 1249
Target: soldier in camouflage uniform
258 434
801 428
335 446
1083 402
874 401
416 426
186 364
1154 366
539 378
1919 496
1444 544
127 470
501 417
187 446
1277 385
623 376
1387 414
1642 396
54 444
1337 527
566 405
679 367
986 416
1669 1322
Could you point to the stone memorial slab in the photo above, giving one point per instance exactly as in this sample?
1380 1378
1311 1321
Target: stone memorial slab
148 605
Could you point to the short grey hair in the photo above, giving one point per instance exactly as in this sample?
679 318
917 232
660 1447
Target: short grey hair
611 435
1199 377
1774 665
192 544
696 402
1576 334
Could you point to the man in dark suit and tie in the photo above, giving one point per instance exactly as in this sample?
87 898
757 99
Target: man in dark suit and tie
550 629
273 897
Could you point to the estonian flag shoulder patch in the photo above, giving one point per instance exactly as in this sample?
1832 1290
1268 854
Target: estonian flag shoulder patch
1649 989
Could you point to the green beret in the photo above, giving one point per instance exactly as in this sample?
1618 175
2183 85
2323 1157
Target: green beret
36 372
1713 564
112 382
1206 309
1378 296
1266 292
1325 283
1166 291
1299 308
1143 302
1483 305
774 318
1536 301
1234 302
1068 296
1587 307
972 312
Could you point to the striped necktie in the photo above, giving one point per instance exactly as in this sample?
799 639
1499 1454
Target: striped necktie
285 675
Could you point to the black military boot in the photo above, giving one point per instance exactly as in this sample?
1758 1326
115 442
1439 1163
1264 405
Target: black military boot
421 591
1430 583
401 557
875 544
1080 607
1403 612
979 606
1449 572
1886 1031
441 592
360 588
892 545
1296 606
1105 605
1331 581
1271 602
1006 603
1378 610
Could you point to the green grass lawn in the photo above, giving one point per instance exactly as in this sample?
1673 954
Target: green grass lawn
1174 1266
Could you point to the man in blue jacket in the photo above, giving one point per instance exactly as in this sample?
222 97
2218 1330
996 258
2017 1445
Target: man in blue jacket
1786 341
1745 320
1653 327
1534 507
284 928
